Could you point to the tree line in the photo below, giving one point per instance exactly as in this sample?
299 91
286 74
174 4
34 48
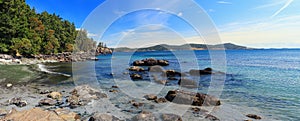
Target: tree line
23 31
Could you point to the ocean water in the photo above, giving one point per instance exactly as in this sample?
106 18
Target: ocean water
268 80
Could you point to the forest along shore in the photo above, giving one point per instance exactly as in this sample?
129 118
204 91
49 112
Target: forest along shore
6 59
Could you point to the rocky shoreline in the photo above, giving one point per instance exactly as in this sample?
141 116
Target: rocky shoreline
69 102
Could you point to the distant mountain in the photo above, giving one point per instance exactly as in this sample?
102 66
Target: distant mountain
165 47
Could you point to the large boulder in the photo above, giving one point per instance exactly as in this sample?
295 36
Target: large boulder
191 98
35 114
103 117
150 62
84 94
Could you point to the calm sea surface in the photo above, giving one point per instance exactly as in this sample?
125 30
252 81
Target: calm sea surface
265 79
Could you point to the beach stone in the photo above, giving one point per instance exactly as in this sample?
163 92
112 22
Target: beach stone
136 76
171 117
9 85
150 97
136 68
81 95
161 100
17 101
113 90
45 92
144 116
3 112
47 102
34 114
114 87
67 114
187 83
253 116
55 95
191 98
211 117
103 117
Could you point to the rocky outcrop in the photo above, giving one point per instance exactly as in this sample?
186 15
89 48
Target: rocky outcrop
37 114
84 94
150 62
191 98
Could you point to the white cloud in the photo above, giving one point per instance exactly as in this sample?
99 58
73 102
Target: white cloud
224 2
179 14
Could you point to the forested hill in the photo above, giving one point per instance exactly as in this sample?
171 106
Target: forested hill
26 32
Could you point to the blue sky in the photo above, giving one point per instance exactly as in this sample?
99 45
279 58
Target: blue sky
254 23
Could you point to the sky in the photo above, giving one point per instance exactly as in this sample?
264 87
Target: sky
252 23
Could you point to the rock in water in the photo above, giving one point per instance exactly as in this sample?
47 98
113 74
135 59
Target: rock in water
150 62
206 71
103 117
191 98
253 116
136 76
136 68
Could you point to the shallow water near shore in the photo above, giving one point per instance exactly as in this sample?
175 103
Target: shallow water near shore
265 82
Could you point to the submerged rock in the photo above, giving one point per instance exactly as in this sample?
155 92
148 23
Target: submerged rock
206 71
187 83
191 98
211 117
253 116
